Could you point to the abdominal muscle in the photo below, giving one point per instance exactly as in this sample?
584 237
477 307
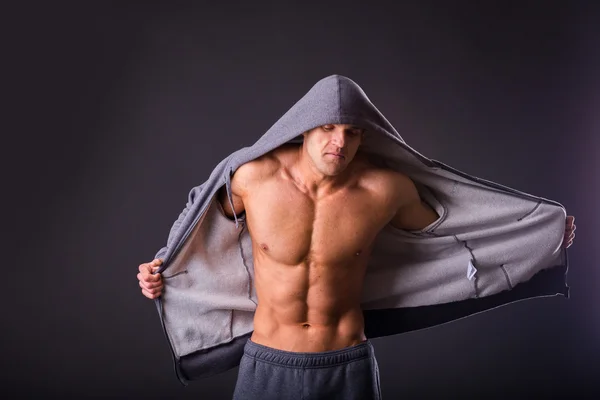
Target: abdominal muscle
308 307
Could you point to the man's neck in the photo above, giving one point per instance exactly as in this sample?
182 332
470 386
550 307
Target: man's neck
315 182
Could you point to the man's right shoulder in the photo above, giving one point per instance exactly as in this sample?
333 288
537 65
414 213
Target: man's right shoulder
258 169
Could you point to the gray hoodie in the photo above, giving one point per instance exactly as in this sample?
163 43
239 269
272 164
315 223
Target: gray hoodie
492 245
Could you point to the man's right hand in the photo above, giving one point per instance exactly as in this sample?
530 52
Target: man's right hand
150 283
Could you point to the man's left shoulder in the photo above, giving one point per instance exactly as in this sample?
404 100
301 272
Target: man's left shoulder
387 180
387 175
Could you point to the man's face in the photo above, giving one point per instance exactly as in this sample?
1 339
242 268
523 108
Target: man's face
331 147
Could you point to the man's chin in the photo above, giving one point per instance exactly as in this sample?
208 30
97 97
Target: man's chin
334 168
336 171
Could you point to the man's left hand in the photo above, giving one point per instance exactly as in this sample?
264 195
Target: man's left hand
569 231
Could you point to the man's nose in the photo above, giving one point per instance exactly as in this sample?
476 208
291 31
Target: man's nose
339 138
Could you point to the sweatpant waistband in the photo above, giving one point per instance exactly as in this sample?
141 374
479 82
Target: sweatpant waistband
320 359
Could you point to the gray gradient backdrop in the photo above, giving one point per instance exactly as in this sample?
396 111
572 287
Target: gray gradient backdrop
120 110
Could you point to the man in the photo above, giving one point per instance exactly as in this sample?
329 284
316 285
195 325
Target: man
310 263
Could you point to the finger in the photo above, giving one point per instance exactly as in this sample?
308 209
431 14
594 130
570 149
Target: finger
145 267
568 232
153 278
149 295
149 275
146 278
151 285
567 239
156 262
148 266
152 290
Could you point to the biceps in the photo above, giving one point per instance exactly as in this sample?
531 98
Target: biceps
238 204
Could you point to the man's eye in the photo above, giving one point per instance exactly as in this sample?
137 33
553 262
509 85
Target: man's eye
327 127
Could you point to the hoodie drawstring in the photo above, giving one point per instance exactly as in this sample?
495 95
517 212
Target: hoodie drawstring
230 195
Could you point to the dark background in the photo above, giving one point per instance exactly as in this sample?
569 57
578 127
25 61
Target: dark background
115 111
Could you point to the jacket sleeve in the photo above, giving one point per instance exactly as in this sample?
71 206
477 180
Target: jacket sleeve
192 196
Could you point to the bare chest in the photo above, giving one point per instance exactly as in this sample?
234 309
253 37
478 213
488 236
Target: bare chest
290 228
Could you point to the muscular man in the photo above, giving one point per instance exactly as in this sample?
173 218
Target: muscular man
310 262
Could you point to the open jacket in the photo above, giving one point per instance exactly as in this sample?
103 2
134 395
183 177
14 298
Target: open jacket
492 245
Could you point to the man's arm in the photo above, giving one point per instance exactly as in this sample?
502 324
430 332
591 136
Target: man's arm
242 182
413 213
238 186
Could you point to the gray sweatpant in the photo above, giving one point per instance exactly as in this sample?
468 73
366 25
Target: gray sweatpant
345 374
